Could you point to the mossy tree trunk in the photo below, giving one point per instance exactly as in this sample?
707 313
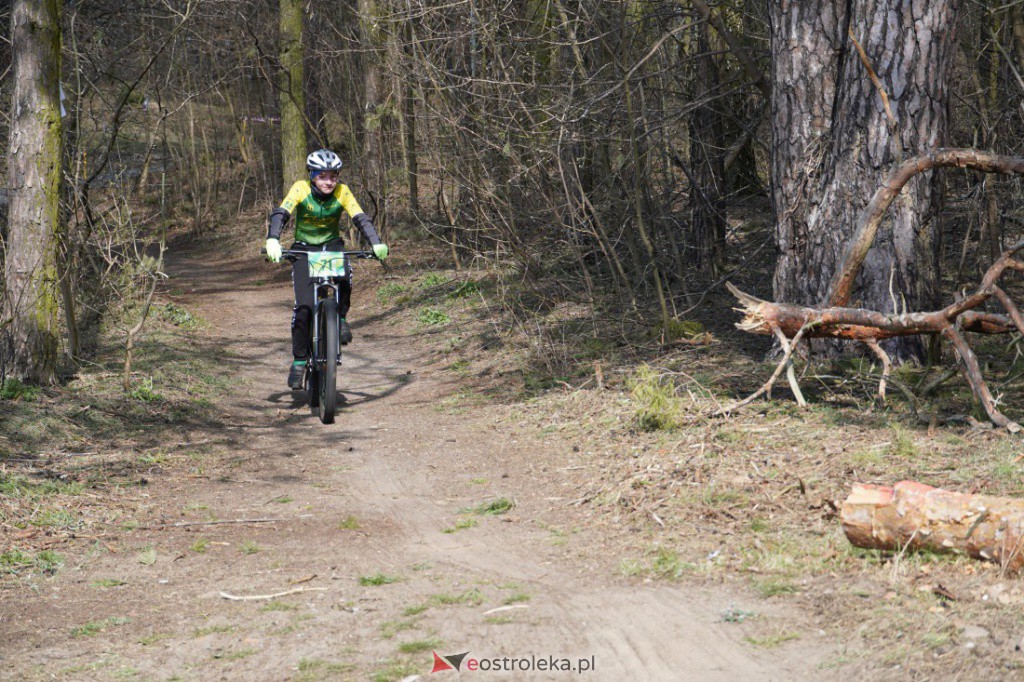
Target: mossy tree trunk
34 172
293 126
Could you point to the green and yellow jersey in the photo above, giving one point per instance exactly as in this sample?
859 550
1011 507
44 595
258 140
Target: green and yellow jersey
316 220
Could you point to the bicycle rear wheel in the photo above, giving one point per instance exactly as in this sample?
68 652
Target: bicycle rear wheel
327 358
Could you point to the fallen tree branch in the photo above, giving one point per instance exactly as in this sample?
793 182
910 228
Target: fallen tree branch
841 287
785 363
181 524
886 366
789 321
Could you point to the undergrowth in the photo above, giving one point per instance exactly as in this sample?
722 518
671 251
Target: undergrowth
79 437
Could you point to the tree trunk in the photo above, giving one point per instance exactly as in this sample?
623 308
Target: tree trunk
707 209
917 516
836 134
373 114
807 38
34 172
292 97
411 151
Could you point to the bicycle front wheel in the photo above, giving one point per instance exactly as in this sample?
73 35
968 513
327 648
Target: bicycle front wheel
327 357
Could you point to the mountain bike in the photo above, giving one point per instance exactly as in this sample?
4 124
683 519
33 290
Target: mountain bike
326 271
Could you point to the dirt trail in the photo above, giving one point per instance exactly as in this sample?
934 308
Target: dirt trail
367 496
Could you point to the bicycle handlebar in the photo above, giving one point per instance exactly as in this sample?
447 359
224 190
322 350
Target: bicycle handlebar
293 254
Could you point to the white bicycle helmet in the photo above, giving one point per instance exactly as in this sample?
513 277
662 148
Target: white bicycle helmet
323 160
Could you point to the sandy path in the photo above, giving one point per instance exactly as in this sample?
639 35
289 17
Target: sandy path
398 470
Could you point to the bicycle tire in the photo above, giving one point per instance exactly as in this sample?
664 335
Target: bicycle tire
313 385
328 355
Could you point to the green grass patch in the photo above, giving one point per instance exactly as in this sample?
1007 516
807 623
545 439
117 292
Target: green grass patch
213 630
389 291
16 562
415 610
378 579
13 389
501 505
735 615
312 669
419 646
147 556
275 605
774 587
396 670
20 487
389 629
459 366
461 524
771 641
434 317
60 519
350 522
154 638
434 279
657 406
903 445
473 597
663 563
175 314
97 626
249 547
145 392
464 290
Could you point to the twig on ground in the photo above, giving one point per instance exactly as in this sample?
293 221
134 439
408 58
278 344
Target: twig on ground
506 608
256 597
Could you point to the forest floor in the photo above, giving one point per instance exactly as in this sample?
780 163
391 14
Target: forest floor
468 499
382 520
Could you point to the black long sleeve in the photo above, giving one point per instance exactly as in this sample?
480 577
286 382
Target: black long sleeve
365 225
278 219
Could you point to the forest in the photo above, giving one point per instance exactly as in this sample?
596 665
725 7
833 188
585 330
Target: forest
771 251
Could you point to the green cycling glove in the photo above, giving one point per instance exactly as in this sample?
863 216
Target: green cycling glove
380 251
274 250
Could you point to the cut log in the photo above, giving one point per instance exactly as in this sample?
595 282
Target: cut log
912 516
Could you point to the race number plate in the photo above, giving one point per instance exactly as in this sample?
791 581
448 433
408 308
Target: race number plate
326 264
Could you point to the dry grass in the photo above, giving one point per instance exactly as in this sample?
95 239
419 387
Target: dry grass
671 494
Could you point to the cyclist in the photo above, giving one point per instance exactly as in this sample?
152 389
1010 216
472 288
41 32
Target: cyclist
317 204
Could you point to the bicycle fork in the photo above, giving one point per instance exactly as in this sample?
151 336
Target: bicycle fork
315 335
